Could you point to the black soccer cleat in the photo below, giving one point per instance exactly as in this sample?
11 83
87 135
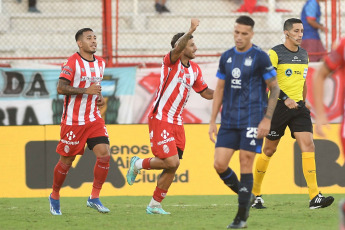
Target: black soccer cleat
238 223
258 203
319 201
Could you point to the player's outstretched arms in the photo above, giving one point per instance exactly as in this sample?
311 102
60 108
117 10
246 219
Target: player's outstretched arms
182 42
64 88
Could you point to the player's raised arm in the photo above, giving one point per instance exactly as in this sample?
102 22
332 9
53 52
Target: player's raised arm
182 42
265 124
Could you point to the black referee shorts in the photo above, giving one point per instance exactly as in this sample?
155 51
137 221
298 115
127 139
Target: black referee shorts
298 120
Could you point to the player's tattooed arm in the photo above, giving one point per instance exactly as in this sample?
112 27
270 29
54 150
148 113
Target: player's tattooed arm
65 88
181 43
273 98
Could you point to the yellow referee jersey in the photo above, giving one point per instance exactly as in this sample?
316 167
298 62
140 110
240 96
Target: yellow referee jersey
292 68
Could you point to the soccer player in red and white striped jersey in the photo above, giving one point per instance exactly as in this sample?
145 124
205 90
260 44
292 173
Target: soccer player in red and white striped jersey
81 122
178 76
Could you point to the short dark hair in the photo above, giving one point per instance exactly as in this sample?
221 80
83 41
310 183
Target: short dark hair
245 20
80 33
288 24
177 37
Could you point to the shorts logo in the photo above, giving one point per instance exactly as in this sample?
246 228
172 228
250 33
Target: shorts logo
252 142
151 134
273 134
70 135
166 148
66 148
165 134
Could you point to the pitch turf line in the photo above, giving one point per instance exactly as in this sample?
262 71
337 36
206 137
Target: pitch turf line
188 212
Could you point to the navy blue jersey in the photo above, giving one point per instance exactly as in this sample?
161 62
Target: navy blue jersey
244 99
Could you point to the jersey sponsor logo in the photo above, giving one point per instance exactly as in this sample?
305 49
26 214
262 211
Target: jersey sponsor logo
91 78
288 72
184 82
166 141
248 61
229 60
236 83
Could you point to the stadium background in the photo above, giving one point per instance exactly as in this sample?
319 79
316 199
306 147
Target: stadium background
133 38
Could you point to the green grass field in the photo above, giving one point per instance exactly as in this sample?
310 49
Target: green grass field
188 212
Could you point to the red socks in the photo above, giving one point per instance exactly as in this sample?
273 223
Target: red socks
159 194
100 175
60 173
146 163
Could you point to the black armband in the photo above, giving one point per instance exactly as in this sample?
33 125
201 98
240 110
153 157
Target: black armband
283 96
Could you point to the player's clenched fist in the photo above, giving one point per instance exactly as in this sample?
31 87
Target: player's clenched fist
194 24
94 89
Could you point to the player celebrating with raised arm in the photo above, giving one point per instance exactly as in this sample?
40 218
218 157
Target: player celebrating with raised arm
244 73
178 76
81 121
291 62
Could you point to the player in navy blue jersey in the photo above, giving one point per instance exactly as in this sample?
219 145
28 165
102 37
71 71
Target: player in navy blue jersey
244 73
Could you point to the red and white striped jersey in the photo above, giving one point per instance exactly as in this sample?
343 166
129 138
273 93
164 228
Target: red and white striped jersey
173 92
336 58
81 109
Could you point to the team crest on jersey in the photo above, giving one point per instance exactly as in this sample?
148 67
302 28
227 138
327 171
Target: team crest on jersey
236 83
248 61
82 70
288 72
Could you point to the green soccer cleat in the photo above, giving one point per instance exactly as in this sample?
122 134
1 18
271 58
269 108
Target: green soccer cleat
156 210
132 172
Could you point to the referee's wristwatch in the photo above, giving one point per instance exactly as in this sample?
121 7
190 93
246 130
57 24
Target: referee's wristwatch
284 98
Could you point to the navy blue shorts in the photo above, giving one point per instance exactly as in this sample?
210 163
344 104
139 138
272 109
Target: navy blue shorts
239 139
